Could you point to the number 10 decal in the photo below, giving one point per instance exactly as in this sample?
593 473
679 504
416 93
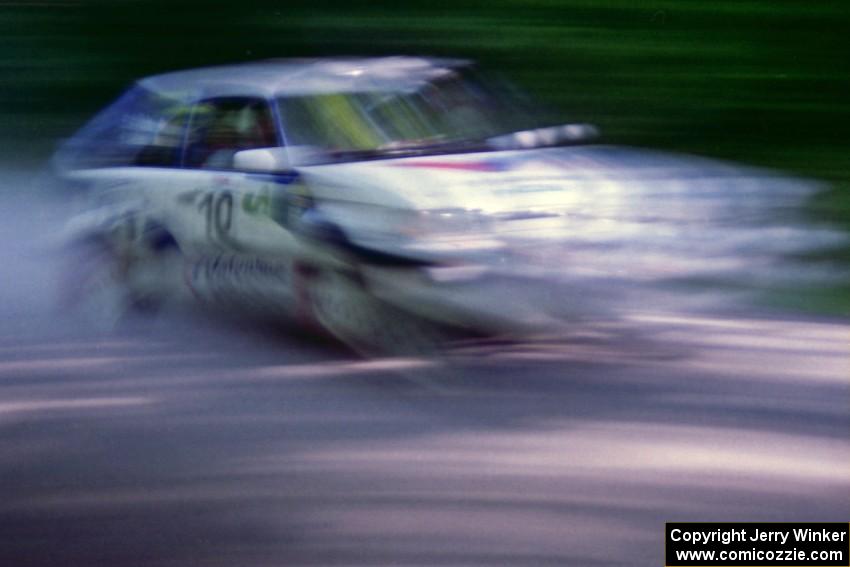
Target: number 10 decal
218 210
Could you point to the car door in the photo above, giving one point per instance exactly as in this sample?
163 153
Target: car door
236 253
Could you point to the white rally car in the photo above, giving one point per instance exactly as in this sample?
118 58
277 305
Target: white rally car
375 199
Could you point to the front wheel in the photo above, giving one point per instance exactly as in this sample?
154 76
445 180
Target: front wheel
340 304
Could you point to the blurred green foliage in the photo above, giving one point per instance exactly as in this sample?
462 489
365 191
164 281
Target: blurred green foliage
760 81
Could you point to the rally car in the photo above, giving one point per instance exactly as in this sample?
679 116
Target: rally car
375 199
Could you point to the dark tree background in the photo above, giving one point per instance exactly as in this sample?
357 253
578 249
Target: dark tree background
757 81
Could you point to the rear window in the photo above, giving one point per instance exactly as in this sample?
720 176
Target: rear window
141 128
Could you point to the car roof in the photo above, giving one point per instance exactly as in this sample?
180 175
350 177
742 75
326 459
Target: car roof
282 77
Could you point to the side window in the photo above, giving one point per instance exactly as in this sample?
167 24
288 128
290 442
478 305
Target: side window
164 149
222 127
141 128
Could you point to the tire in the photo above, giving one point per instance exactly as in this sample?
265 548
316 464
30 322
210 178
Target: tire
102 289
92 286
341 305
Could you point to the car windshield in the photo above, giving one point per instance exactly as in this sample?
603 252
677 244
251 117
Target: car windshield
451 112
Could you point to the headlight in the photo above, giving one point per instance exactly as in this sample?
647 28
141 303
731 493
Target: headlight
421 233
444 223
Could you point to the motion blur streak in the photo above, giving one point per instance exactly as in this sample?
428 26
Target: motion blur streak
172 444
81 403
697 367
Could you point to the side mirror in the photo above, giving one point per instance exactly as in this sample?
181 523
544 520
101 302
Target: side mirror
262 160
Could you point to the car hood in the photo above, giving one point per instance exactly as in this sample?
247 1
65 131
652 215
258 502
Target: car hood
603 210
568 179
